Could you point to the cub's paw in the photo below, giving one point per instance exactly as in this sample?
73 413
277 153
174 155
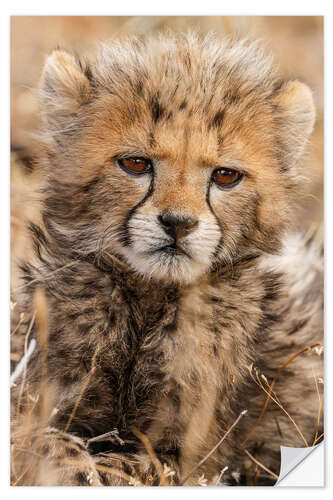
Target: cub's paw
54 458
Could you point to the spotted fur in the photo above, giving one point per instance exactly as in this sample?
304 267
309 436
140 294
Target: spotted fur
171 337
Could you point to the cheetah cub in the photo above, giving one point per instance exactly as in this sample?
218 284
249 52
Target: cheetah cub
177 295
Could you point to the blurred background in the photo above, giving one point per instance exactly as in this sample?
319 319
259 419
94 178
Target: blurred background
296 42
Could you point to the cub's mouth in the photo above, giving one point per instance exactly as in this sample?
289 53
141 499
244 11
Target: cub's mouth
172 249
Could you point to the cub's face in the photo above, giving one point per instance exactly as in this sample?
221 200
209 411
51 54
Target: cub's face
177 155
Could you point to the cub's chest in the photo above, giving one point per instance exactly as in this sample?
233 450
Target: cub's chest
190 349
216 326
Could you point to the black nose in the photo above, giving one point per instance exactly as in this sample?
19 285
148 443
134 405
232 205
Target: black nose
177 227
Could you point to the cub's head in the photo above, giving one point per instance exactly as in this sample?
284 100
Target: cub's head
175 153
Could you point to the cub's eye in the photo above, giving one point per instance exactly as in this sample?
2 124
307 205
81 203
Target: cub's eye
135 166
226 177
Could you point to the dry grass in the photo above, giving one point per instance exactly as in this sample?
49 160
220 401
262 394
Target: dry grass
260 380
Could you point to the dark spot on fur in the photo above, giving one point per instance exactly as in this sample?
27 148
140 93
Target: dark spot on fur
45 450
218 414
82 479
69 377
72 452
271 318
89 74
151 140
80 446
112 318
223 323
172 326
183 105
139 88
215 299
272 287
217 119
26 159
103 476
90 186
174 395
157 110
298 326
231 97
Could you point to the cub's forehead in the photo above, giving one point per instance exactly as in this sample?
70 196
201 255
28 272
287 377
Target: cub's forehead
172 74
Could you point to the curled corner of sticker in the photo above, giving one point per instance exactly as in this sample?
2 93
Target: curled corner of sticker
298 468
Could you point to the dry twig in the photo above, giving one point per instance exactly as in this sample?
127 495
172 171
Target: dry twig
83 389
240 416
18 407
147 444
271 473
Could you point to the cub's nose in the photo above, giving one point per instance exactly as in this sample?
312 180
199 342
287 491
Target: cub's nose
177 227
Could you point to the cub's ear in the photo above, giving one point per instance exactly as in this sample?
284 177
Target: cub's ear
64 87
296 117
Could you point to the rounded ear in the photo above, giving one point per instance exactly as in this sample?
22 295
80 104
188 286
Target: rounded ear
64 87
296 117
